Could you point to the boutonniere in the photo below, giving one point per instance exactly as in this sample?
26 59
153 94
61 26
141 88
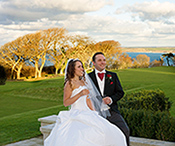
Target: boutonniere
109 77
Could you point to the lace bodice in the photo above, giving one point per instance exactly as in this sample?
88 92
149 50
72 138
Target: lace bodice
80 104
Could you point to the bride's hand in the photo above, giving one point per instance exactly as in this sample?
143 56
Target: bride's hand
84 92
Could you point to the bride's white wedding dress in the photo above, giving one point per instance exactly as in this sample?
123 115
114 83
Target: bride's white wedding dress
80 126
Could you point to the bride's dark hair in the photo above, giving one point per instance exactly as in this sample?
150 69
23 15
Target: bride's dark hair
71 71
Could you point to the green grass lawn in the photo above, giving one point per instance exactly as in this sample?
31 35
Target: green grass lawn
22 103
162 78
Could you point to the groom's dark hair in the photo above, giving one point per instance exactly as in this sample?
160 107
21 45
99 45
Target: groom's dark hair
97 53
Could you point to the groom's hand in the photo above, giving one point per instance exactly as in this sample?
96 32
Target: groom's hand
107 100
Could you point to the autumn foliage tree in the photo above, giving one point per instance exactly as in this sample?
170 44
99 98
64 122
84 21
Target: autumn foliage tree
81 47
28 54
156 63
53 45
58 46
141 61
7 58
125 61
111 50
14 56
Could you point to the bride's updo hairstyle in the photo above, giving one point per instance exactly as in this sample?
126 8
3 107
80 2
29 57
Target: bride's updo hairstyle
71 71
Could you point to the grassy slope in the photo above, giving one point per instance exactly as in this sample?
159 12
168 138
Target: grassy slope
17 97
150 78
22 103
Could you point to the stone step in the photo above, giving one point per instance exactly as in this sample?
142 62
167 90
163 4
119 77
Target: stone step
48 120
137 141
47 123
45 130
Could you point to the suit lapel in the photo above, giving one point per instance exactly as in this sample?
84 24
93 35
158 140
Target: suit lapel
106 83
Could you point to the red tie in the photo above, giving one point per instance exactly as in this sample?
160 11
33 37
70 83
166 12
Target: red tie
101 75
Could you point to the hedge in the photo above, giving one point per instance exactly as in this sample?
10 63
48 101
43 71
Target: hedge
148 124
154 100
147 115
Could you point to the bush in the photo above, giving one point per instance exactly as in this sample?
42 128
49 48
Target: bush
155 125
154 100
147 114
2 75
166 128
27 71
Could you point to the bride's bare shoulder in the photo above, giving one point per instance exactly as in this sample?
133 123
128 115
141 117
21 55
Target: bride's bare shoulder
68 86
71 85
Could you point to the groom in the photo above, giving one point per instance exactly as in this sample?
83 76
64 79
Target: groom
110 88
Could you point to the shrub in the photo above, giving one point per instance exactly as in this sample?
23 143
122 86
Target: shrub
28 71
166 128
147 114
146 99
156 125
2 75
156 63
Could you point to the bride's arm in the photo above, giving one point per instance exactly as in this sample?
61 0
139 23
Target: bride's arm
67 94
89 103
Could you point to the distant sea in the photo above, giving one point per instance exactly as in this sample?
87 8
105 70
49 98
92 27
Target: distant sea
153 56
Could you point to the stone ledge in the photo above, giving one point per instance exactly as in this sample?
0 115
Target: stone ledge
38 141
48 120
137 141
45 130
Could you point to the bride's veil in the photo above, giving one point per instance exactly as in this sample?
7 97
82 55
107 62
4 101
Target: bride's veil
94 95
96 98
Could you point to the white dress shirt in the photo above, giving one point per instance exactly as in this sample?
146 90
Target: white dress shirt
101 83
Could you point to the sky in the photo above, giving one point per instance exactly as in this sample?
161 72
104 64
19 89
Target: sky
133 23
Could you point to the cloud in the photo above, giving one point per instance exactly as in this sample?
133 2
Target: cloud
98 28
152 11
152 22
32 10
7 35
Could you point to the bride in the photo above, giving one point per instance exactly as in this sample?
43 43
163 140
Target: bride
83 124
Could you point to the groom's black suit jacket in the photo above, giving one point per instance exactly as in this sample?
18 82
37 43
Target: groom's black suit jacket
112 88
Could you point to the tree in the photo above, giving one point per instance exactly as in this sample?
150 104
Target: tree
157 62
38 45
34 48
58 47
45 44
142 60
111 50
16 53
8 58
168 56
173 59
21 54
125 61
81 47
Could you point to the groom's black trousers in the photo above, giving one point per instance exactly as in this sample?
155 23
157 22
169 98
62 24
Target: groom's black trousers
118 120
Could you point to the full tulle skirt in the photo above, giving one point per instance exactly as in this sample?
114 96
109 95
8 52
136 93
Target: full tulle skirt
84 128
81 126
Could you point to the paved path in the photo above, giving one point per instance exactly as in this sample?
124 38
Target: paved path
38 141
